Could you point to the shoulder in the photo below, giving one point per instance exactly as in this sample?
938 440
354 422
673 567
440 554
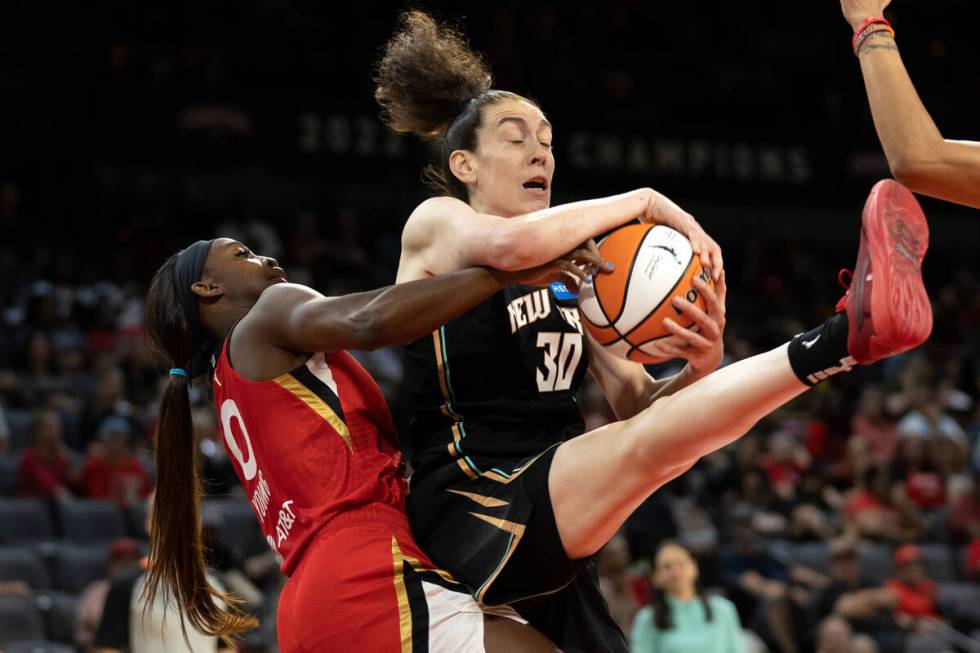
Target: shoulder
643 632
429 215
275 303
283 294
721 605
644 618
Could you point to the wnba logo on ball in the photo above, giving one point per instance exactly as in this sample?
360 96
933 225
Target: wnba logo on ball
624 310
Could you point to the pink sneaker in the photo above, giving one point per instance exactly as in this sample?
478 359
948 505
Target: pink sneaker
888 310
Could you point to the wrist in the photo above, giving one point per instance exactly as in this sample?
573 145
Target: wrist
649 200
860 19
501 278
870 27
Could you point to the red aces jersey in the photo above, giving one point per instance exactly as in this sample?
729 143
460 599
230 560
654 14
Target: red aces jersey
308 446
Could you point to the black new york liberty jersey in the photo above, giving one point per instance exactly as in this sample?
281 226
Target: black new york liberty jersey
496 384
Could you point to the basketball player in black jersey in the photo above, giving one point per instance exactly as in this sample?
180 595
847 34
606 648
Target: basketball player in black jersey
508 493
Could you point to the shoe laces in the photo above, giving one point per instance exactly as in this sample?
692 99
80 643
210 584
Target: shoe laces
844 278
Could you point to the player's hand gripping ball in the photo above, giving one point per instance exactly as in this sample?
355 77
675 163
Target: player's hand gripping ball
624 310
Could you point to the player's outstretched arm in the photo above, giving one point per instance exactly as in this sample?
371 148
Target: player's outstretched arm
445 234
299 319
917 153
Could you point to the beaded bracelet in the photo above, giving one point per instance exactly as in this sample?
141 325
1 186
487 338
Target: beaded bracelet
869 26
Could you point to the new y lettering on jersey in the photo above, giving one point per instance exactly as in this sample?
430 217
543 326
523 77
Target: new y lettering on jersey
528 309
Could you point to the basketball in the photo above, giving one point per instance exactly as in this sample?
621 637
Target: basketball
624 310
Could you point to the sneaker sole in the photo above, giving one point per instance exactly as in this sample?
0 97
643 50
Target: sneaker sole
895 236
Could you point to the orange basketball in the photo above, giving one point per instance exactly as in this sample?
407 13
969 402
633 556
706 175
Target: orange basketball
624 310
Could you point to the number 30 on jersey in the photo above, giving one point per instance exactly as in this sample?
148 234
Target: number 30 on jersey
562 352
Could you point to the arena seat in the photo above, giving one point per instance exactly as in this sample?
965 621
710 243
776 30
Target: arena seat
135 518
75 566
959 601
812 555
23 563
59 611
234 526
8 474
19 620
19 422
24 521
86 521
875 560
939 562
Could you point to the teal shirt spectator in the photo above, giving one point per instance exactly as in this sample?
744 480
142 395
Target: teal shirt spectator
692 632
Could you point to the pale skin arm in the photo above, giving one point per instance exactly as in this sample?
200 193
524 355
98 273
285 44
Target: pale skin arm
917 153
445 234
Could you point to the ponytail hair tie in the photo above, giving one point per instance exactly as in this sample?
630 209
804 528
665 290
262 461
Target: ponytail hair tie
177 371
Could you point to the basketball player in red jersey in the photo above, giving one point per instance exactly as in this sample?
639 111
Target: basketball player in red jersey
507 493
917 153
312 442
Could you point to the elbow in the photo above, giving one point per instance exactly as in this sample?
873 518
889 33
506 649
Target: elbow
509 250
911 170
367 330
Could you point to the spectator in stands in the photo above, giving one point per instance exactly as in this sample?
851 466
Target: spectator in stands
913 594
616 581
928 418
45 469
113 472
872 424
866 608
766 511
784 465
863 644
124 556
921 483
807 522
109 398
126 626
761 585
217 473
871 510
680 617
914 601
833 636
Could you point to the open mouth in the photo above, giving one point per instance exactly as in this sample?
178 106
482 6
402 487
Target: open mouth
536 183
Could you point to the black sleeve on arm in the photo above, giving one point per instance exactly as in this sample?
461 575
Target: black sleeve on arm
113 629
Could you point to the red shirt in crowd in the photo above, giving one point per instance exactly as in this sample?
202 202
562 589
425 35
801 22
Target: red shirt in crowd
782 472
123 481
864 500
38 477
917 600
881 436
925 489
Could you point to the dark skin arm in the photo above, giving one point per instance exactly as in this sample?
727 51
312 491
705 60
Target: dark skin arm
289 321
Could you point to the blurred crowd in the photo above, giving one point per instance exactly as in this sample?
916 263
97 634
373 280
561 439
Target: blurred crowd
849 521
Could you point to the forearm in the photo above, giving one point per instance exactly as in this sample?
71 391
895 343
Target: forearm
904 126
405 312
917 153
536 238
298 319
